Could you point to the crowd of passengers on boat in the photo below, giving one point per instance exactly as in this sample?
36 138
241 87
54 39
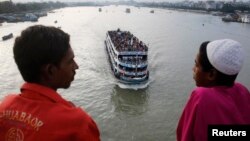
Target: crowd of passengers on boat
125 41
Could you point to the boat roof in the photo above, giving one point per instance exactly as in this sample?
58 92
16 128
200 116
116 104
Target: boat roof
124 41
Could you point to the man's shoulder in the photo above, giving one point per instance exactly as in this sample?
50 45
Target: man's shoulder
67 112
201 91
241 86
9 98
75 115
203 94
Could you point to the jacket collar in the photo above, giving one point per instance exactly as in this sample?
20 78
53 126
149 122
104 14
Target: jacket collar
33 90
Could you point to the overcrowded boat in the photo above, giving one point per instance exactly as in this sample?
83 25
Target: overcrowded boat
128 57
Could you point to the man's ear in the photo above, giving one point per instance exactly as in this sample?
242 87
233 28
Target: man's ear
49 70
212 75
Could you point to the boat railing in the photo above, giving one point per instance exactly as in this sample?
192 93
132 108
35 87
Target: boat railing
110 41
133 64
111 44
132 52
132 73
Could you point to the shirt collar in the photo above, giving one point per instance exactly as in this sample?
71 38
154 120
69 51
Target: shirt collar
42 91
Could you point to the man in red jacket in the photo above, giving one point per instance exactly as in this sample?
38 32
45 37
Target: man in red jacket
46 62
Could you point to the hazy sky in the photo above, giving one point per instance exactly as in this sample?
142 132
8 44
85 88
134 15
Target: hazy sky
110 0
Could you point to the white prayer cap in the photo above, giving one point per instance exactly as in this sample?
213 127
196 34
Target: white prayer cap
226 56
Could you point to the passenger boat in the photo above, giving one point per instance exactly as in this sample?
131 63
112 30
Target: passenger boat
128 57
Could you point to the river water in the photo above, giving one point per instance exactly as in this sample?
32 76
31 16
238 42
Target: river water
130 113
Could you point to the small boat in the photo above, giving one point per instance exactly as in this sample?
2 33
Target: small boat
152 11
128 57
100 9
6 37
245 19
127 10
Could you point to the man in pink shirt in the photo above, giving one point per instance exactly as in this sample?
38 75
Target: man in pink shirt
217 100
46 62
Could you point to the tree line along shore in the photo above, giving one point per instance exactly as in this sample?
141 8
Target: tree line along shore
18 12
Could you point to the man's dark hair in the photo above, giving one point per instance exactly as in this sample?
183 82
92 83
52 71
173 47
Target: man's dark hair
205 64
37 46
221 79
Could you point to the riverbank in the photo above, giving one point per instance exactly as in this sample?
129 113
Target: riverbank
32 11
22 17
238 16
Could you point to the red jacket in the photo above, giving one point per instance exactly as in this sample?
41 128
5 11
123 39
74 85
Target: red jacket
41 114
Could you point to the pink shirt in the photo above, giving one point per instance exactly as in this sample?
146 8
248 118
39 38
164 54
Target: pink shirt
216 105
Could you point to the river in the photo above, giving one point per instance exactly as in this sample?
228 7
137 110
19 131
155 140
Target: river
122 113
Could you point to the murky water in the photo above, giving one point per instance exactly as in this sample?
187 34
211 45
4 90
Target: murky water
122 114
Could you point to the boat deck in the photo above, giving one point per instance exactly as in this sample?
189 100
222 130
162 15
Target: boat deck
124 41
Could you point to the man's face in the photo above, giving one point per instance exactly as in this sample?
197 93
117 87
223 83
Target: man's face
199 75
66 70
